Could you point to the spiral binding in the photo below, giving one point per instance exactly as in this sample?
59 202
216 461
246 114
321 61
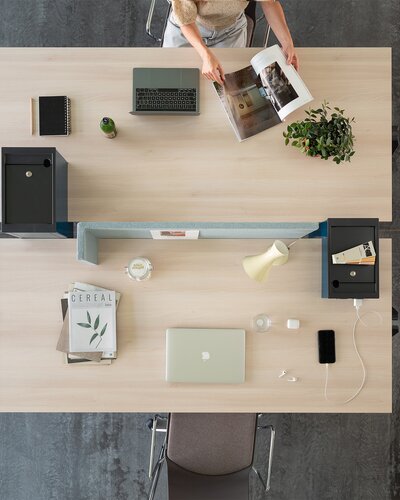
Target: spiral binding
67 115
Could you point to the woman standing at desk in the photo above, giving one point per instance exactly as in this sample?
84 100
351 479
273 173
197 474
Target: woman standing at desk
221 24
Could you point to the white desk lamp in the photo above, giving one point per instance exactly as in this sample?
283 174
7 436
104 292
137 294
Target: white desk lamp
257 267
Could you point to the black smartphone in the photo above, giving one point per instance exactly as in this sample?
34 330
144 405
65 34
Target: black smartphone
326 346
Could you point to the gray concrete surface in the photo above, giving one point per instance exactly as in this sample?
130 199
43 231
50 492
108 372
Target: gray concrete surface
104 456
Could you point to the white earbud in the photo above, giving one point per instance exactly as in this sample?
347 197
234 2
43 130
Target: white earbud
288 379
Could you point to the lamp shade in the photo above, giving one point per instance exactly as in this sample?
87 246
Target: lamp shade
257 267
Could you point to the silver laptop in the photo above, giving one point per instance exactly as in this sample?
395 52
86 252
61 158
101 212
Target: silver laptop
173 91
205 355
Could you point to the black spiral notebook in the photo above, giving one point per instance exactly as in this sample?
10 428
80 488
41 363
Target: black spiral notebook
54 115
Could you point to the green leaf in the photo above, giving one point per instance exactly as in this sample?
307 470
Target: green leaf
84 325
93 337
286 141
89 318
103 330
96 323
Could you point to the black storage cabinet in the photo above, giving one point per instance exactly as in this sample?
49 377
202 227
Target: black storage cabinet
34 193
345 281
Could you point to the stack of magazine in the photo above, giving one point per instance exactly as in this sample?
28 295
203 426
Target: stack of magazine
88 334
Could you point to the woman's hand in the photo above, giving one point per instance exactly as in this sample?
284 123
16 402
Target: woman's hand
291 56
212 68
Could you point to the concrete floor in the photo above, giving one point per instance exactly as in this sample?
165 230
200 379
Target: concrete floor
104 456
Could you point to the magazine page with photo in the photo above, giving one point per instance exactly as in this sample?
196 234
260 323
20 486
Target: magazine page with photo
281 82
242 97
263 94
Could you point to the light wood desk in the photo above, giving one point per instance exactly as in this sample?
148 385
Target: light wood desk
199 284
192 168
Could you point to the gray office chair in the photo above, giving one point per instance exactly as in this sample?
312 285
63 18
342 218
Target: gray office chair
209 456
251 15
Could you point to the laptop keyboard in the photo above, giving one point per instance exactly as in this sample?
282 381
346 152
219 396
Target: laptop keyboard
183 100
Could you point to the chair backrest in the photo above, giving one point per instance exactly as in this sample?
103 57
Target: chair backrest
250 10
250 13
253 21
209 455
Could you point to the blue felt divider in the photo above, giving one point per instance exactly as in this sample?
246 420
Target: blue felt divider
88 233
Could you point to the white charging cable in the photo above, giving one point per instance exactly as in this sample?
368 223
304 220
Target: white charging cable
357 304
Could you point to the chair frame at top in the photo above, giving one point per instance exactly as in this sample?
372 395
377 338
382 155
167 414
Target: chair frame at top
160 40
155 470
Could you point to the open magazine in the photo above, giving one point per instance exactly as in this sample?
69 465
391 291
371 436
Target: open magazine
261 95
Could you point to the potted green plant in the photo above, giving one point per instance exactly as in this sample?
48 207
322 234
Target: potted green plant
323 136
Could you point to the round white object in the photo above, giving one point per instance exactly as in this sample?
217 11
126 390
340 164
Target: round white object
139 269
261 323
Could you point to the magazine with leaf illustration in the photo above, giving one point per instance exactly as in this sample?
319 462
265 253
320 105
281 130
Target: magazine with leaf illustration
263 94
92 321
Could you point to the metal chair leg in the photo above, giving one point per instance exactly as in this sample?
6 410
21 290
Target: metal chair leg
154 472
267 483
266 36
149 21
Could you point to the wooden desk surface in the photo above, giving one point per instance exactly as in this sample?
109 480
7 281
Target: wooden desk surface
195 284
192 168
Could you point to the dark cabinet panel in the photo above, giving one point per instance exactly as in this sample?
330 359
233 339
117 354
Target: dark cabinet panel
34 193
